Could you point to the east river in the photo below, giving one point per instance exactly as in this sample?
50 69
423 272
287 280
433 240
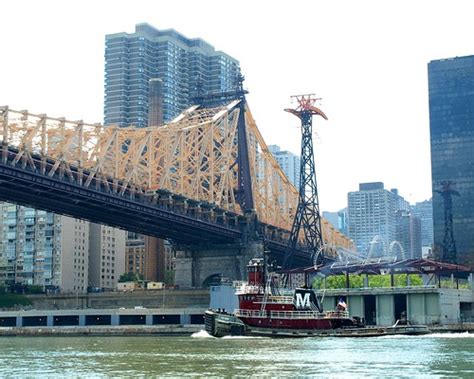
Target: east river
439 355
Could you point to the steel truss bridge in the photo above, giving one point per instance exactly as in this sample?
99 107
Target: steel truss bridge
205 177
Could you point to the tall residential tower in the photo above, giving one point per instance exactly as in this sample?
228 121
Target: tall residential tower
372 214
186 67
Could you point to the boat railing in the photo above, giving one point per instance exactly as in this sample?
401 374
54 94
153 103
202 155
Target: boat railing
290 314
279 300
277 314
336 314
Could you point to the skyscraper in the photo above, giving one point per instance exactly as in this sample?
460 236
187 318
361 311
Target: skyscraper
185 66
424 211
409 234
289 163
451 101
372 214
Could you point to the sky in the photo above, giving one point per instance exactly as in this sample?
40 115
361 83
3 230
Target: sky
367 60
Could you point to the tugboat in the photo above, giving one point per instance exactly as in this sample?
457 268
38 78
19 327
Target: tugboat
263 311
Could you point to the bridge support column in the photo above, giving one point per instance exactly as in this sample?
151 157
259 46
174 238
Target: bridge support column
183 276
82 320
201 266
149 319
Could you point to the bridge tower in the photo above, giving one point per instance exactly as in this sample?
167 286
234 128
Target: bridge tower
449 244
195 263
307 218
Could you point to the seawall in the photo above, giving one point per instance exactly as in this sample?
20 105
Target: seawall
166 299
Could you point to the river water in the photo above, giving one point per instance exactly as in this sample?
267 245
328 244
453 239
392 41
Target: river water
438 355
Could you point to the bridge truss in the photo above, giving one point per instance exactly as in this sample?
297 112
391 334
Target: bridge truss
193 156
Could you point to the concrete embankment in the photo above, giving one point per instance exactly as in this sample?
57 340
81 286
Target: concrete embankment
176 298
159 330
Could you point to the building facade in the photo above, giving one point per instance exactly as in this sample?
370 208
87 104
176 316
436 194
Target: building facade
409 235
372 215
74 255
57 252
338 220
186 67
43 249
29 246
424 211
451 104
289 163
107 256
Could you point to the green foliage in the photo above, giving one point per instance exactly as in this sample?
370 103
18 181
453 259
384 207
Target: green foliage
130 277
169 277
34 289
9 300
357 281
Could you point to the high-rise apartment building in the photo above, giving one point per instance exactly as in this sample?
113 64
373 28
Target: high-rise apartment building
107 256
73 254
29 242
289 163
372 214
451 102
185 66
58 252
43 249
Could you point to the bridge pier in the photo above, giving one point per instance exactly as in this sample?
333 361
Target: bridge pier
197 266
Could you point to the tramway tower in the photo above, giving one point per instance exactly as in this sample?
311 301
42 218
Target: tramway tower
307 218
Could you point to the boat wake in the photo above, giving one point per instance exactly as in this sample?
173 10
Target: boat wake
451 335
202 334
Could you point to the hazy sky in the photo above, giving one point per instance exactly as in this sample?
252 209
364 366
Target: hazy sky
366 59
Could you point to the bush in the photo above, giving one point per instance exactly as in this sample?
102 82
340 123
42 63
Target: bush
357 281
10 300
130 277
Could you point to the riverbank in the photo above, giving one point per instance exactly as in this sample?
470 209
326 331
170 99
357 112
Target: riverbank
120 331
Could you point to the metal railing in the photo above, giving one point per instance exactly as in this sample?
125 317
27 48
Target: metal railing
290 315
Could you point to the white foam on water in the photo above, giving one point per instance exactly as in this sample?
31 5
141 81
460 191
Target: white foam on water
450 335
202 334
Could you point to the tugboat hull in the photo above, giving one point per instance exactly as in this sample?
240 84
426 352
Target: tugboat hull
222 324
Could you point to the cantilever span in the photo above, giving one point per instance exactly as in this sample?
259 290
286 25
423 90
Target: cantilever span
190 162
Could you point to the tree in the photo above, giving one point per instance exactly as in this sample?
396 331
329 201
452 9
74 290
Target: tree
130 277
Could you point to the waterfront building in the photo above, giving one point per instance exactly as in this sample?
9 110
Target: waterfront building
289 163
107 256
29 243
451 104
372 215
58 252
185 66
43 249
73 255
142 256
